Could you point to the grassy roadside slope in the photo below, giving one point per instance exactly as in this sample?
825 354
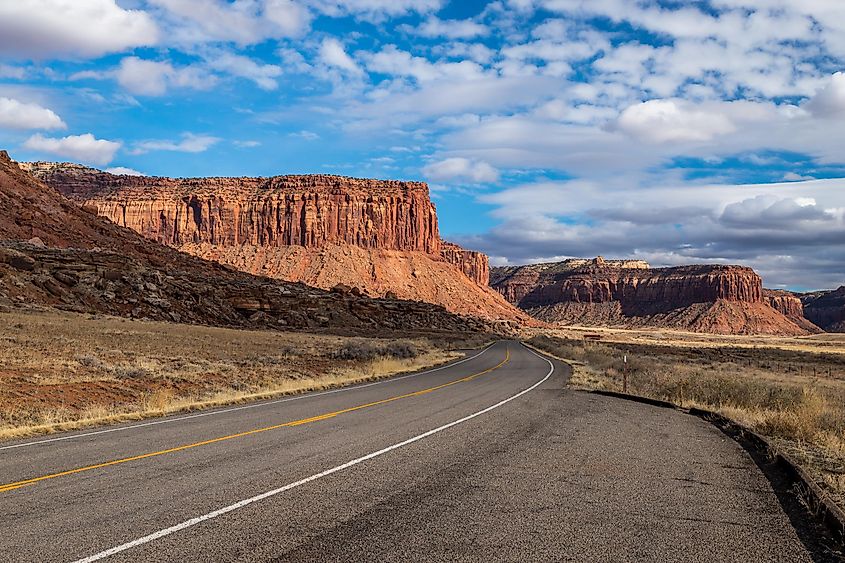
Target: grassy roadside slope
63 371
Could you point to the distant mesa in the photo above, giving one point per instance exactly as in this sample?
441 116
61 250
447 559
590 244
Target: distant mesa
630 294
380 236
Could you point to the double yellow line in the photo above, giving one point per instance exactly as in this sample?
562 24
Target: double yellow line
18 484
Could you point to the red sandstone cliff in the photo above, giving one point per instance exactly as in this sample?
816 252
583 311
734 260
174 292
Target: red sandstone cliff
379 236
790 306
474 264
721 299
53 253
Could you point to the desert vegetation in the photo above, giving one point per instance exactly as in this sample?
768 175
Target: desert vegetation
795 398
61 371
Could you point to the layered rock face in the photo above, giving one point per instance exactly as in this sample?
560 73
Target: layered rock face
271 212
379 236
826 309
723 299
474 264
54 253
789 305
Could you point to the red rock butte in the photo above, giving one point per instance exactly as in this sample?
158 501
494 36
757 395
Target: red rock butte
380 236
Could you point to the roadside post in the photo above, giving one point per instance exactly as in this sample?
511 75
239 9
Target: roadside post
625 373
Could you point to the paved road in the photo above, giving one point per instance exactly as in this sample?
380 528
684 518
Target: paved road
490 459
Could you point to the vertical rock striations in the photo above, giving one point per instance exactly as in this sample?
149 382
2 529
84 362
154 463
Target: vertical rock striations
722 299
379 236
474 264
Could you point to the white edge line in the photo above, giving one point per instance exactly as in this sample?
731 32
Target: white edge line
246 502
244 407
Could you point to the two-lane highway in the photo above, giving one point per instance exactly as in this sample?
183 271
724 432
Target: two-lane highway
489 458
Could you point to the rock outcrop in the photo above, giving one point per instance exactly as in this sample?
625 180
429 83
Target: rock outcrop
380 237
826 309
719 299
54 253
789 305
474 264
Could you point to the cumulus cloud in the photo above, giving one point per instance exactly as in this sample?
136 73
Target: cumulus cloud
242 22
83 148
190 143
123 171
15 114
153 78
830 100
453 29
461 170
787 231
334 55
58 28
666 121
264 75
376 10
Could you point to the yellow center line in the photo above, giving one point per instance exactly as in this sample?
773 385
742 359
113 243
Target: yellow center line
18 484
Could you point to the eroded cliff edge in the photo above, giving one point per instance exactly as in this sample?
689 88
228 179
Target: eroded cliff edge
379 236
701 298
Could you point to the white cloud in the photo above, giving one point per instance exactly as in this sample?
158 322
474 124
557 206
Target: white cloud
458 169
61 28
152 78
376 10
264 75
788 231
306 135
123 171
245 22
668 121
453 29
334 55
830 100
84 148
15 114
190 143
247 144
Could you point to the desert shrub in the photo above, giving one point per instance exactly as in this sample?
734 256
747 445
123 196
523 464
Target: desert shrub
401 350
357 351
131 372
89 362
368 352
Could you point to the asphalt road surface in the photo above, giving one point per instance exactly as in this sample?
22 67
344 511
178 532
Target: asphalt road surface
489 459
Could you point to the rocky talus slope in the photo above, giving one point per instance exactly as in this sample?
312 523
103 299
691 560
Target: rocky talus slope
716 299
380 237
54 253
826 309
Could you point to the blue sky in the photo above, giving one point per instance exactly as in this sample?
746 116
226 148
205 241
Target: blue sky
677 132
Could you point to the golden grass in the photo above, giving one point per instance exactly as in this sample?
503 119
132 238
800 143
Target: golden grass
769 390
63 371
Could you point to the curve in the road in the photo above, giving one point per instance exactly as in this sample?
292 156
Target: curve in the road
246 502
26 482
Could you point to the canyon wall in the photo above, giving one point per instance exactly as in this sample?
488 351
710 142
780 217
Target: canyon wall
723 299
826 309
272 212
790 305
381 237
474 264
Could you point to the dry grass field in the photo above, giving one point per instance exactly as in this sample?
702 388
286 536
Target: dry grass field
790 390
61 371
